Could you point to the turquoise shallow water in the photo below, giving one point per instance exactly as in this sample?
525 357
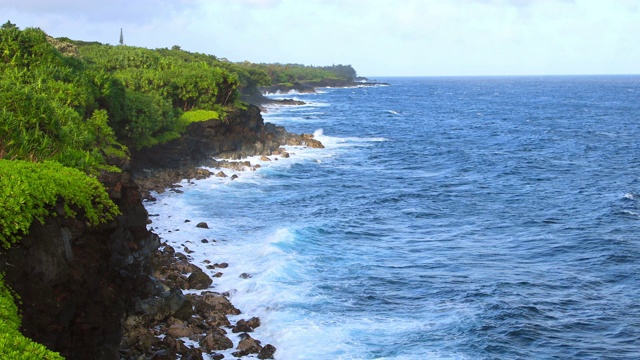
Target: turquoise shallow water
447 218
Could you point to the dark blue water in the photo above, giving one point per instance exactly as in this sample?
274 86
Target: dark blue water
448 218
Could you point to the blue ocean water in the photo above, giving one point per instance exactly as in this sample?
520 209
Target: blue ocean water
447 218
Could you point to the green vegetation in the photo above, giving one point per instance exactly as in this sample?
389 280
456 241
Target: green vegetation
30 191
289 74
14 345
48 107
199 115
158 86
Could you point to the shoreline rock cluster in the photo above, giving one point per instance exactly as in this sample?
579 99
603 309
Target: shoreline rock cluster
157 329
259 99
240 136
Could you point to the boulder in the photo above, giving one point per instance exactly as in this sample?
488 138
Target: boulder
267 352
217 320
164 355
198 280
313 143
217 303
246 325
181 331
216 356
216 340
185 311
202 174
160 307
173 344
203 225
247 345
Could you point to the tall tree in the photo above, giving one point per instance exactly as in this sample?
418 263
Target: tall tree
9 25
121 37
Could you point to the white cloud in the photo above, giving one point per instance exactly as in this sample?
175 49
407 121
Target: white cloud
102 11
260 3
378 37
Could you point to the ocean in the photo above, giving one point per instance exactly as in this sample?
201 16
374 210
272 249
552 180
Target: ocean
446 218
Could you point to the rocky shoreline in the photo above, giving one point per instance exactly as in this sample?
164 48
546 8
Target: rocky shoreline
115 291
260 100
201 317
158 330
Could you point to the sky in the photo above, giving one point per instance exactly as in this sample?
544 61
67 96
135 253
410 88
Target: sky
377 37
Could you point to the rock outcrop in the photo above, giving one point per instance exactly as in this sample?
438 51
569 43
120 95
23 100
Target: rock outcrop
76 283
242 133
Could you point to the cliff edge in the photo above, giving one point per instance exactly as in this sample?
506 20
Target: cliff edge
81 286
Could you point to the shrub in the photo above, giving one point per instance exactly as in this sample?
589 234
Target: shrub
14 345
29 191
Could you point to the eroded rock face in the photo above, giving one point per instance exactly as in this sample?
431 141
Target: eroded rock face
76 283
242 133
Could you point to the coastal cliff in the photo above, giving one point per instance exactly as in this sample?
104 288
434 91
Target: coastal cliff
76 282
88 292
242 133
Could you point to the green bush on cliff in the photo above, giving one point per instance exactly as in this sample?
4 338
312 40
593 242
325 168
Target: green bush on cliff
30 191
199 116
14 345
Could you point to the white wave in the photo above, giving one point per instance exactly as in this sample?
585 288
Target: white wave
274 274
290 92
632 213
338 142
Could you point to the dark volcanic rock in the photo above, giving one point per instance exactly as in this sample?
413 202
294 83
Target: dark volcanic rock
242 133
77 283
199 280
267 352
216 302
239 135
247 345
246 325
203 225
215 340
